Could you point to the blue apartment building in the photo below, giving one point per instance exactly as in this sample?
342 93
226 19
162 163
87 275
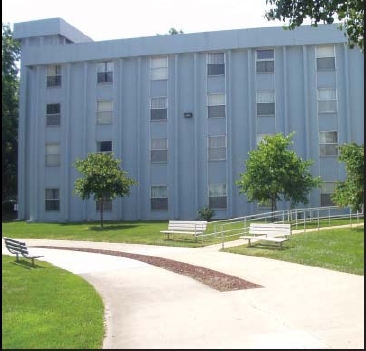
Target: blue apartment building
181 112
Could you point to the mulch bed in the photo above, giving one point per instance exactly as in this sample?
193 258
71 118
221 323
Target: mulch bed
214 279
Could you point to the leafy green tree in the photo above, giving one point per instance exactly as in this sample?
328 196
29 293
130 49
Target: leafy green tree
173 31
103 178
349 12
273 171
9 117
351 191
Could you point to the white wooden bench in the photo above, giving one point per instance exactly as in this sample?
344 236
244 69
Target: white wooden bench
194 228
273 232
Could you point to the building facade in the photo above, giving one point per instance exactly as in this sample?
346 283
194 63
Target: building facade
181 112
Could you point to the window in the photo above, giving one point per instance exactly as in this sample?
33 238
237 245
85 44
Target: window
215 64
327 100
105 72
104 146
54 76
325 60
53 115
159 68
328 143
107 205
216 105
217 197
158 108
327 189
217 148
266 103
159 197
104 112
159 150
53 155
52 200
265 61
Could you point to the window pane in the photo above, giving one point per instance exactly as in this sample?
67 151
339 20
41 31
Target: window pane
265 96
159 204
217 190
265 54
265 66
159 102
52 149
216 99
328 137
216 58
158 191
158 62
327 94
327 106
325 51
53 108
218 202
158 114
159 155
104 106
217 141
325 200
104 146
52 205
216 111
159 143
328 150
326 63
159 74
265 109
215 69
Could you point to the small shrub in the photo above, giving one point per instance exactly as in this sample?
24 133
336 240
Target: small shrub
205 213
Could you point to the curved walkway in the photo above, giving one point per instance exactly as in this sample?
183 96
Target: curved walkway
297 307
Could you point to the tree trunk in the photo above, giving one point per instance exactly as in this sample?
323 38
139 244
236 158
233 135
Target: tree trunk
101 211
273 202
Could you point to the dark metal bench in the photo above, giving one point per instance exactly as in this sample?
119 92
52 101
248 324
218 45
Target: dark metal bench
17 248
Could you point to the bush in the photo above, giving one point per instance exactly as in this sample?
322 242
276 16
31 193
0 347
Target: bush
205 213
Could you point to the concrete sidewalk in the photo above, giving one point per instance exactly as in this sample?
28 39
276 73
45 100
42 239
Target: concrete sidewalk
298 307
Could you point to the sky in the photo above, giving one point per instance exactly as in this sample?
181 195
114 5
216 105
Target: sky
117 19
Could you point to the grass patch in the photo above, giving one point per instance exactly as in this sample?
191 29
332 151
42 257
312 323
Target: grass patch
48 308
336 249
132 232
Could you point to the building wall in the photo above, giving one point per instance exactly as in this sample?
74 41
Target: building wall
187 172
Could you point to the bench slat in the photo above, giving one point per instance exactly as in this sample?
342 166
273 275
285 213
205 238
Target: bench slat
18 247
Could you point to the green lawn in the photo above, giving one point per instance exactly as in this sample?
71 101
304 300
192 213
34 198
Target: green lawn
336 249
48 308
133 232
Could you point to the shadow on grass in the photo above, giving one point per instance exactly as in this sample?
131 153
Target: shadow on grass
268 246
113 227
26 264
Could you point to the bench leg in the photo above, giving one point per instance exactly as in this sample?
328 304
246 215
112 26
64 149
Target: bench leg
249 244
17 257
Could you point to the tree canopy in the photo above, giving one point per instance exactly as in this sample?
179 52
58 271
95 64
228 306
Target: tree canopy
274 173
349 12
351 191
103 178
9 117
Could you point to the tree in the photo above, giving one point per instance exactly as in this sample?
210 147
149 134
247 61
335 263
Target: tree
351 191
173 31
349 12
273 171
103 178
9 117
